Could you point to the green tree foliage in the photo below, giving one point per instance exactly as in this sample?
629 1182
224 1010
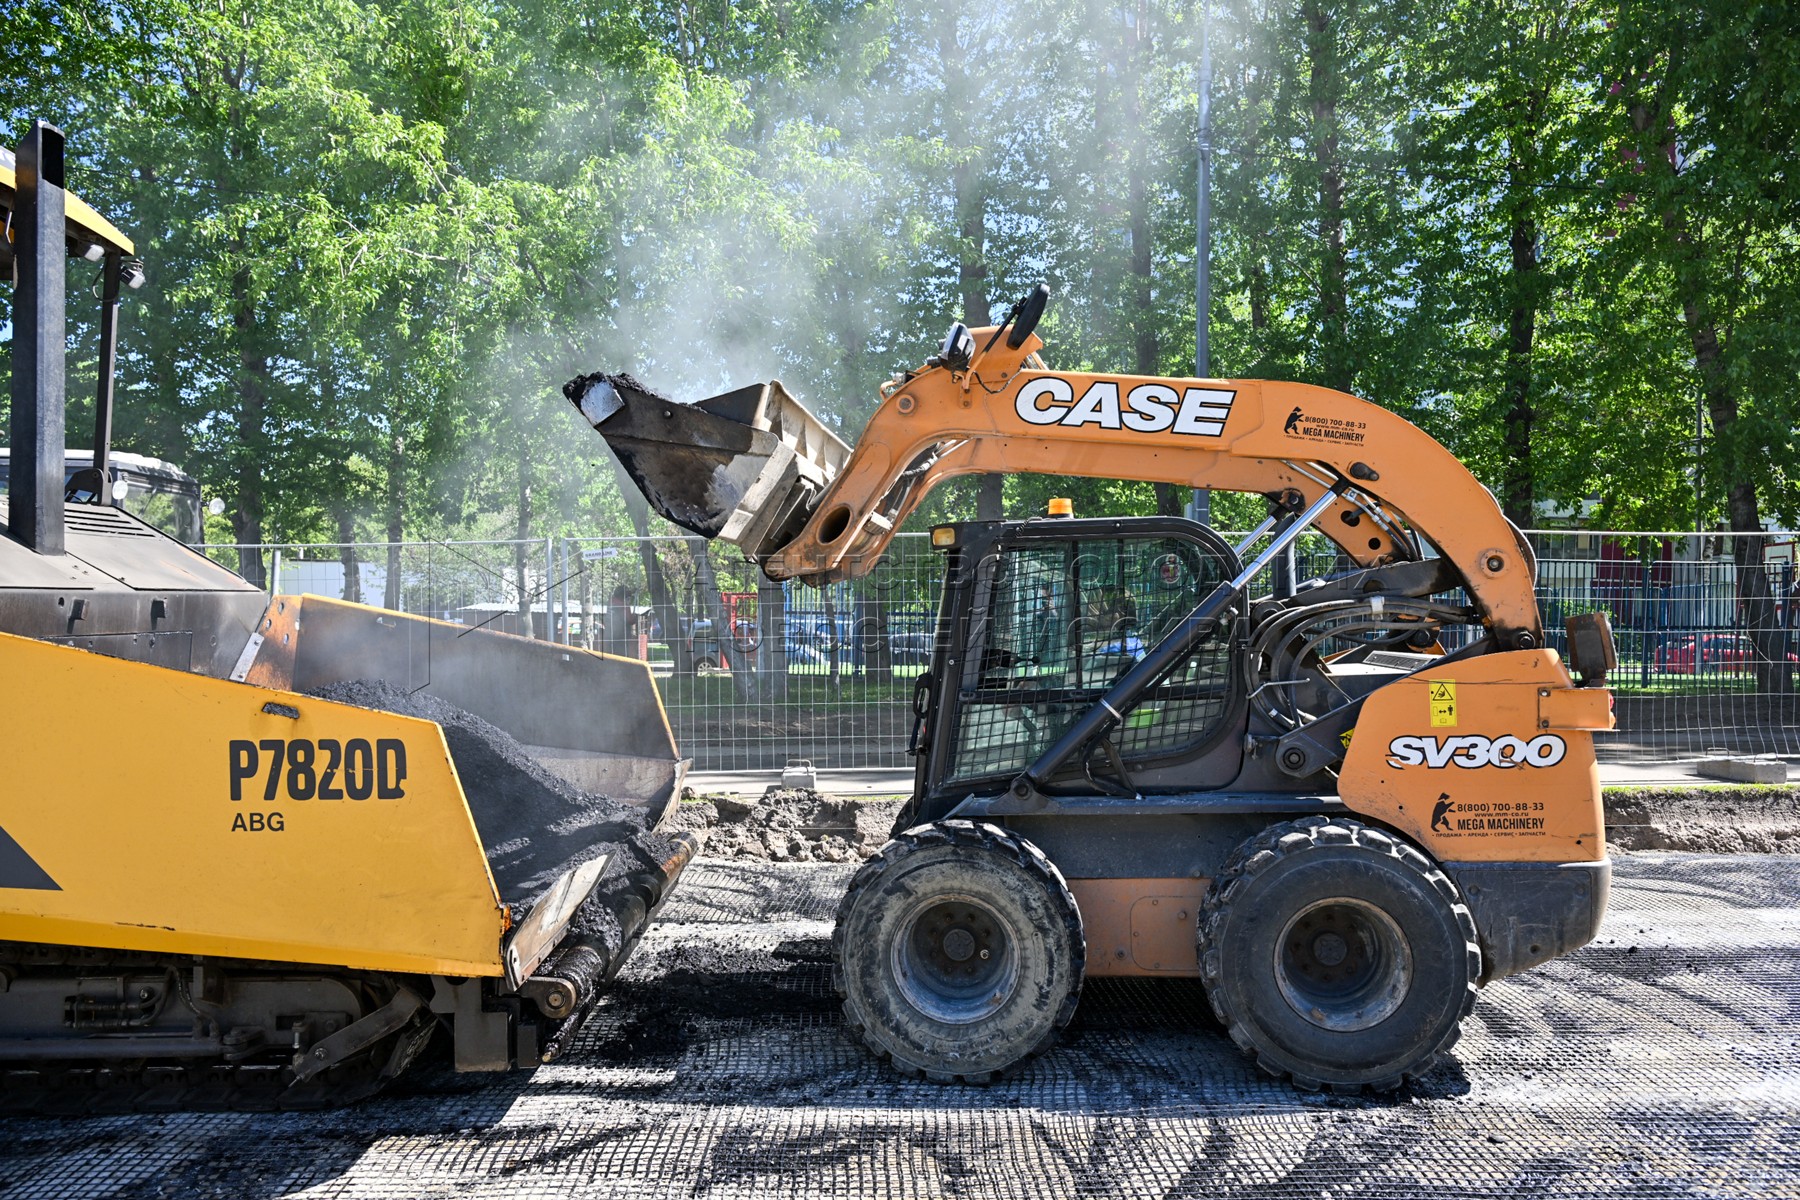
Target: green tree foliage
380 234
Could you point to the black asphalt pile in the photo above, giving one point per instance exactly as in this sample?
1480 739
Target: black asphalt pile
674 989
1708 820
534 825
792 825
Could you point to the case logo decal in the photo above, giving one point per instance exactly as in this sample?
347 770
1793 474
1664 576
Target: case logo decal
1146 408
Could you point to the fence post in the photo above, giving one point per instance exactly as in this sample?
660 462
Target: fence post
587 604
564 585
545 591
1643 620
275 571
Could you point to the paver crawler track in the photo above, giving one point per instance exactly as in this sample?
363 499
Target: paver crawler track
262 1081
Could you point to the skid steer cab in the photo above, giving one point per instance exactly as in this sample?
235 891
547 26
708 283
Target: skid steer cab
1344 803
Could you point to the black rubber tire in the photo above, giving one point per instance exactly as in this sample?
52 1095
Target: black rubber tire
1003 907
1418 965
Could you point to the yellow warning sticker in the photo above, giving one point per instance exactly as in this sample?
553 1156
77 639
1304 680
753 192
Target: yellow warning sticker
1442 693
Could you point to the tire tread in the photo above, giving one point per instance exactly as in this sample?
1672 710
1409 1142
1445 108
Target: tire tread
1285 840
976 837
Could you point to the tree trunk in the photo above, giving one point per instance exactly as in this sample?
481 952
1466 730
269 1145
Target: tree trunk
771 649
1259 299
253 398
1756 600
396 518
521 532
832 642
587 609
346 534
707 584
872 635
656 580
1518 482
990 498
1140 309
969 181
1325 85
662 603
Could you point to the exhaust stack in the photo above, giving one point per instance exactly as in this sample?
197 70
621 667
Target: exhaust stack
39 388
748 467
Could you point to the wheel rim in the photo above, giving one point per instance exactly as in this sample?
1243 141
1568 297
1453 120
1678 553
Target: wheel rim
956 958
1343 964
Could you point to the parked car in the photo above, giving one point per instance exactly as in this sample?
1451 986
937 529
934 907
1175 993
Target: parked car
1724 653
910 649
704 646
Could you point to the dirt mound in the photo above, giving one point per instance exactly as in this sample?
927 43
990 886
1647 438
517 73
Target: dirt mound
806 826
789 826
534 825
1710 820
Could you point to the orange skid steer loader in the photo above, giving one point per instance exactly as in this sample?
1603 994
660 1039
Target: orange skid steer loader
1344 806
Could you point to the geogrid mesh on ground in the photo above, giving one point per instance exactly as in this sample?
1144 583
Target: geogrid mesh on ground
1658 1062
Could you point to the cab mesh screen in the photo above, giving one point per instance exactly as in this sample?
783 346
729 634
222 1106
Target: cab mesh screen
1060 623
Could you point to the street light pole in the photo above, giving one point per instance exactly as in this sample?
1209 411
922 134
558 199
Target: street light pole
1200 506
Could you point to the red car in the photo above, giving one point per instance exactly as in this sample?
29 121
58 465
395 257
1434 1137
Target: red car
1725 653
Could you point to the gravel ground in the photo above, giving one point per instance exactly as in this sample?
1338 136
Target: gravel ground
794 825
1658 1062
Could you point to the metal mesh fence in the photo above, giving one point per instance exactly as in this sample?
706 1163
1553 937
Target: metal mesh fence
508 586
755 673
1708 630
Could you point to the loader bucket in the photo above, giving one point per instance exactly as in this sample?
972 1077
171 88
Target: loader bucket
594 719
747 466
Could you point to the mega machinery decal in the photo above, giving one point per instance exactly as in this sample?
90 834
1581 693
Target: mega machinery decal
1471 751
1325 429
1146 408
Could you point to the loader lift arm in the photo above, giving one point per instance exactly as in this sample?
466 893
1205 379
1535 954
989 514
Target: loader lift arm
806 507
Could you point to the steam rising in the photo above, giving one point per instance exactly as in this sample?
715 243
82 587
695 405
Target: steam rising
808 229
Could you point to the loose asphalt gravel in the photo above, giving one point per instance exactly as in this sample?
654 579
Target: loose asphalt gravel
533 824
1661 1061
